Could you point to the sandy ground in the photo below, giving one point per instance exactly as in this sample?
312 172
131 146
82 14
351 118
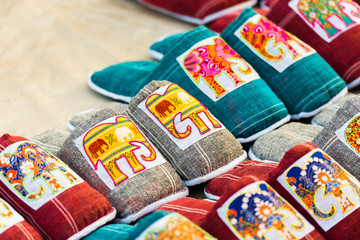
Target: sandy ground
48 47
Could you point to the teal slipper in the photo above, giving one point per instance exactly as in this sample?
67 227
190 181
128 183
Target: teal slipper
208 69
111 232
163 45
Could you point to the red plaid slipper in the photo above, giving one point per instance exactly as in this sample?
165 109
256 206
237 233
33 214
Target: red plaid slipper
251 209
13 226
330 27
321 190
193 209
258 169
47 193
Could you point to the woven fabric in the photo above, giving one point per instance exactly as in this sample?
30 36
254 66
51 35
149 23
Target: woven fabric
323 117
244 108
342 50
136 196
163 45
51 140
111 232
13 226
330 142
167 225
192 140
239 214
303 163
287 70
193 209
218 185
75 209
274 145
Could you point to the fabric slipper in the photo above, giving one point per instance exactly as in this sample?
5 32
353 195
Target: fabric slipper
330 27
320 189
252 209
47 193
340 137
286 64
216 187
114 156
272 146
201 12
111 232
13 226
197 145
82 116
323 117
228 87
51 140
168 225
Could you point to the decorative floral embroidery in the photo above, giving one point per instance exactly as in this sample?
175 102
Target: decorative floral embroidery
320 171
331 17
253 213
352 134
108 142
210 61
177 227
31 160
174 107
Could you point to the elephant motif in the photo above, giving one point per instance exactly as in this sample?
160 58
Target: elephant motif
208 62
320 171
164 106
132 146
255 212
188 108
5 212
97 146
332 16
30 159
124 134
259 34
352 134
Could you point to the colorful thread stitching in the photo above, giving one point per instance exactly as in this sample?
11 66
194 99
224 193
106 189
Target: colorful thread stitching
352 134
5 212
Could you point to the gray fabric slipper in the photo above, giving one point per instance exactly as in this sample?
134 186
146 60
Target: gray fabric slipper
272 146
51 140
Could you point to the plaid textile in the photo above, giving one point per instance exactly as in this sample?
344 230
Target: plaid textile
55 208
251 208
307 163
286 65
13 226
193 209
342 52
191 139
331 143
137 195
216 187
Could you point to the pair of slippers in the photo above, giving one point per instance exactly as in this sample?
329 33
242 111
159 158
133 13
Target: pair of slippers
49 195
141 158
251 93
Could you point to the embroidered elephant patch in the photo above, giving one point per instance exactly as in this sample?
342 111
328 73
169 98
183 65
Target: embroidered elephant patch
324 188
114 139
180 115
218 66
328 18
258 212
22 164
272 43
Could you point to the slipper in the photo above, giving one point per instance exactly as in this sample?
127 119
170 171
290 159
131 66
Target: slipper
320 189
111 232
191 208
286 64
168 225
51 140
216 187
114 156
340 137
323 117
330 27
82 116
196 144
201 12
47 193
252 209
13 226
230 89
273 145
